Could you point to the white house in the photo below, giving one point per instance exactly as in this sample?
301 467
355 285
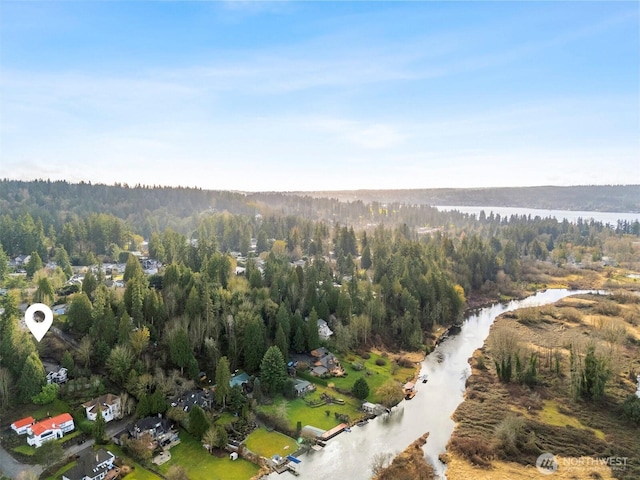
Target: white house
58 376
110 405
93 466
50 429
22 426
324 332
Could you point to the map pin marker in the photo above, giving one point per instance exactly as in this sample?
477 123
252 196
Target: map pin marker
38 329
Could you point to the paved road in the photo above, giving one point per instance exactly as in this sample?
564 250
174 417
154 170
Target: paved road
11 468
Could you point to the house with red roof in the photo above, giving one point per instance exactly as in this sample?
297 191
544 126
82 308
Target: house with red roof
50 429
21 426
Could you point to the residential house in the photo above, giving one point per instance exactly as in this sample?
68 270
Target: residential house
161 431
110 405
303 387
22 426
325 362
186 401
57 376
92 465
50 429
324 332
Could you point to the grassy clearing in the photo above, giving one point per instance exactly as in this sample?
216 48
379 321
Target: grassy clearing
226 418
552 416
66 468
139 472
375 375
267 444
324 416
200 465
50 410
298 411
25 450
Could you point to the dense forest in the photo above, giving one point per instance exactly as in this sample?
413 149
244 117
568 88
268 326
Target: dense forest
598 198
243 273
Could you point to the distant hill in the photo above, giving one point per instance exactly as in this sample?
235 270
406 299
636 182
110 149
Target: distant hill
597 198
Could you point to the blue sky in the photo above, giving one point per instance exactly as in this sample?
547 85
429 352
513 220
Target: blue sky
321 95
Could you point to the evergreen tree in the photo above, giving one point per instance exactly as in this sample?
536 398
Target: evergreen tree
254 344
313 338
360 388
132 268
33 265
273 370
32 378
223 377
99 428
365 260
281 342
89 283
4 264
198 422
180 349
79 314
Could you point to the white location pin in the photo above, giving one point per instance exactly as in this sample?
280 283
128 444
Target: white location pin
38 329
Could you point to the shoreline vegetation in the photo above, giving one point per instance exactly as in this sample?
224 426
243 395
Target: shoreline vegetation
590 439
548 416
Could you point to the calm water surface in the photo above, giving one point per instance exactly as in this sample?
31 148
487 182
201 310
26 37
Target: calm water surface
571 215
349 455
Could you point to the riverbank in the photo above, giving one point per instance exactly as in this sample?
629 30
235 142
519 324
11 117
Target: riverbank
546 417
409 464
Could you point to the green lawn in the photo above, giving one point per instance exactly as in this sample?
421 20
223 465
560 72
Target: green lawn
139 472
226 418
298 411
268 444
25 449
50 410
378 375
200 465
67 467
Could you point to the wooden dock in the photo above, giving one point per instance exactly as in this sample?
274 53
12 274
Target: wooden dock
333 432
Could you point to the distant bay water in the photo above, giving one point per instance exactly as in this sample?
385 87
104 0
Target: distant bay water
571 215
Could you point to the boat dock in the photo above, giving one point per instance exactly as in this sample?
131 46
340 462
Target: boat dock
333 432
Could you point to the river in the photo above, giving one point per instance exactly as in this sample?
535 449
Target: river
349 454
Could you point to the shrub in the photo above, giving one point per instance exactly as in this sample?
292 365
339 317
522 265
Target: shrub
631 409
509 432
477 450
380 362
405 362
357 366
608 308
